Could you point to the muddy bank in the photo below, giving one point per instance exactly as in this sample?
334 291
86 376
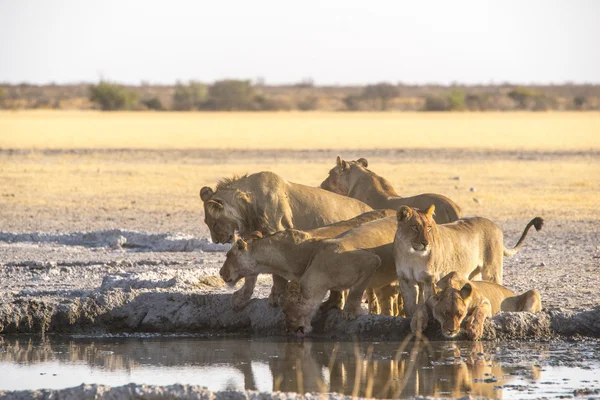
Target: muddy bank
133 391
134 305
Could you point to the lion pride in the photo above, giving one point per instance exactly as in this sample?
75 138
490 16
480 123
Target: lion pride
267 203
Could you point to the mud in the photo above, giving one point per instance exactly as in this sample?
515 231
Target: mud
133 391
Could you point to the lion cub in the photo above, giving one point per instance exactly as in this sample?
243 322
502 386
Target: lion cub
461 300
425 251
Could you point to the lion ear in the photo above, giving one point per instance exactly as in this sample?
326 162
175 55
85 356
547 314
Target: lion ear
466 291
430 211
338 161
205 193
345 165
448 281
256 235
241 244
363 162
404 213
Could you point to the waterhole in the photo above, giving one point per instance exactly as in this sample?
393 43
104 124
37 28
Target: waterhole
377 369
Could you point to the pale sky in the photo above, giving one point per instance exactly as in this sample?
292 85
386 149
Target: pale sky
330 41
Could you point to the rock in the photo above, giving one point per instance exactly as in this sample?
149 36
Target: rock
472 189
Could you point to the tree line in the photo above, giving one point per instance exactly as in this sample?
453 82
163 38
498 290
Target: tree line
243 95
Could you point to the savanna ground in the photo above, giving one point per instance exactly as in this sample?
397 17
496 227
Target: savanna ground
84 171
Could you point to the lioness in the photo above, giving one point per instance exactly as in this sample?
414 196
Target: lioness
425 251
267 203
356 259
355 180
472 302
287 253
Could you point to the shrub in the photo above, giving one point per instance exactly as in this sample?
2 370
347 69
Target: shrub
477 102
112 97
189 97
308 103
231 95
436 103
352 102
153 103
382 93
456 100
578 102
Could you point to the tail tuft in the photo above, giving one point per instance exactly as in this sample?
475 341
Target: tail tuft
538 222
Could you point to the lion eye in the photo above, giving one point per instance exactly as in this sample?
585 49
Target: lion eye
414 227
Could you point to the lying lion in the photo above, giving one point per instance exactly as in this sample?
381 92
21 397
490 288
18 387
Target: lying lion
355 180
355 260
425 251
286 254
471 302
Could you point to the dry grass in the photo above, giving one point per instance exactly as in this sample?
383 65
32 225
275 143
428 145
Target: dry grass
294 130
159 192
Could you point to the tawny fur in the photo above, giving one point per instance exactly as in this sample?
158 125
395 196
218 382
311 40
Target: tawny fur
425 251
469 303
355 180
267 203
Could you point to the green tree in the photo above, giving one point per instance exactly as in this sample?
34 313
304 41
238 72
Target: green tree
231 95
381 93
110 96
189 97
456 100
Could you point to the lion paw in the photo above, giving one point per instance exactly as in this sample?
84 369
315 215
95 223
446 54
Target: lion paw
274 299
239 300
418 323
350 314
474 331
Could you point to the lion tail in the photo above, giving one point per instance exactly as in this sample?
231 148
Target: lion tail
537 222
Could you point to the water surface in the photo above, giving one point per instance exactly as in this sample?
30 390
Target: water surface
379 369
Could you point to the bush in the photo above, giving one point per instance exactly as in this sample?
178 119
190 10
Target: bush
112 97
308 104
352 102
456 100
382 93
578 102
231 95
153 104
189 97
3 97
477 102
436 103
523 97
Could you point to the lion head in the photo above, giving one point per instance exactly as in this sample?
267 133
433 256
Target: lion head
228 210
238 261
338 180
218 216
416 229
450 306
297 309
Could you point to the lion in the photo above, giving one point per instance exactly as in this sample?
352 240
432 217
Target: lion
267 203
355 260
355 180
425 251
286 253
471 302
